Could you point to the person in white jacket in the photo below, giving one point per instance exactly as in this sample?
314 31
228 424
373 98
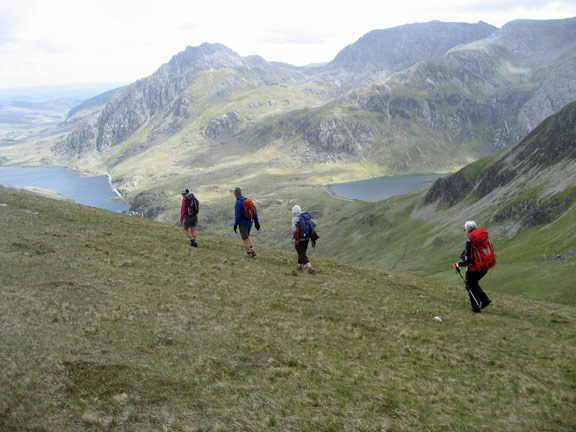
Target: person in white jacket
302 239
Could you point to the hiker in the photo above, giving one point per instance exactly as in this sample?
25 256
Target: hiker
475 270
189 215
245 212
303 230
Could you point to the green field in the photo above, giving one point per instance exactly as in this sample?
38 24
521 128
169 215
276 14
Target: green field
113 323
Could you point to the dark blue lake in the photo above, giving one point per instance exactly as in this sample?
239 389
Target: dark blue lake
90 191
381 188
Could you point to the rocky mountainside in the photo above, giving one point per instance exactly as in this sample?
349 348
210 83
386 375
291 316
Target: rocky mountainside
472 101
90 106
459 103
380 53
531 183
151 97
386 51
138 105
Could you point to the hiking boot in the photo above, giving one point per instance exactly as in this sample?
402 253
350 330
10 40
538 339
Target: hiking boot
299 268
476 310
485 305
311 271
193 243
249 255
252 253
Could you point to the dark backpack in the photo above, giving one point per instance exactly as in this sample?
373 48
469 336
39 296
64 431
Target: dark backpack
248 209
304 229
482 251
192 204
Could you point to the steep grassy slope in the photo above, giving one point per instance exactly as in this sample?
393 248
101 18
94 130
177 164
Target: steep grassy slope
113 323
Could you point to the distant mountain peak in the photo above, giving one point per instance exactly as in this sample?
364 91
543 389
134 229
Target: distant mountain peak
401 47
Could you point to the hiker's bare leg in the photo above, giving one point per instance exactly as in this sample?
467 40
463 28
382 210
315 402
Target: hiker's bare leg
189 234
247 244
193 232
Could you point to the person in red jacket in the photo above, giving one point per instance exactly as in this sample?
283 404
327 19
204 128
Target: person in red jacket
188 221
478 298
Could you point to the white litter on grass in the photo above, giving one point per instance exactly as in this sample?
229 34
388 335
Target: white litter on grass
438 318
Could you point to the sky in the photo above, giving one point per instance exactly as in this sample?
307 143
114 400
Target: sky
64 42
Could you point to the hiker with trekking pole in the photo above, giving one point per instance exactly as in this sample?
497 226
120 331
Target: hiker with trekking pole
478 256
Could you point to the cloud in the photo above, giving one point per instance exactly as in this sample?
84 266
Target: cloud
189 26
70 41
8 24
290 36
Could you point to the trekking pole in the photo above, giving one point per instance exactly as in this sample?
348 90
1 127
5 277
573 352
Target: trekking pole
469 292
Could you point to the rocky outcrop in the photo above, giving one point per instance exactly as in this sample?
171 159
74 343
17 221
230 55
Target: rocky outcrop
532 213
341 137
220 125
149 203
450 190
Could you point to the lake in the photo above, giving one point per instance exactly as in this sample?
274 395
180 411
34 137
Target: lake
90 191
381 188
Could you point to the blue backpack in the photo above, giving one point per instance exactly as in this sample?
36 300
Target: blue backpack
305 228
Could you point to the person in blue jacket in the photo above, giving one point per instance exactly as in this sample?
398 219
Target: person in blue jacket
244 223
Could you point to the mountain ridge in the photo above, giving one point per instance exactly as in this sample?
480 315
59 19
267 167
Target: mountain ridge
478 72
401 47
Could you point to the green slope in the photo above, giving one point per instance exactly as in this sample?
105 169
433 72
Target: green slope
109 322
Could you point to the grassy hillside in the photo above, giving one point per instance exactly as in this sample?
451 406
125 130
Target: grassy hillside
397 235
114 323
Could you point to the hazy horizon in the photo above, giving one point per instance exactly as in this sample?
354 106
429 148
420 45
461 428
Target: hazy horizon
45 44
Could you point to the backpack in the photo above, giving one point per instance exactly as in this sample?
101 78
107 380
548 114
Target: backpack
248 209
304 228
192 204
482 251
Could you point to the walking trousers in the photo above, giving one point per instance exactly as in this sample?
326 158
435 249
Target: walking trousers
301 249
478 297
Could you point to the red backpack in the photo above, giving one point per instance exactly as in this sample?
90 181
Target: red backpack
248 209
482 251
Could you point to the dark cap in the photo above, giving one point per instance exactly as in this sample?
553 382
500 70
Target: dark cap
237 191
